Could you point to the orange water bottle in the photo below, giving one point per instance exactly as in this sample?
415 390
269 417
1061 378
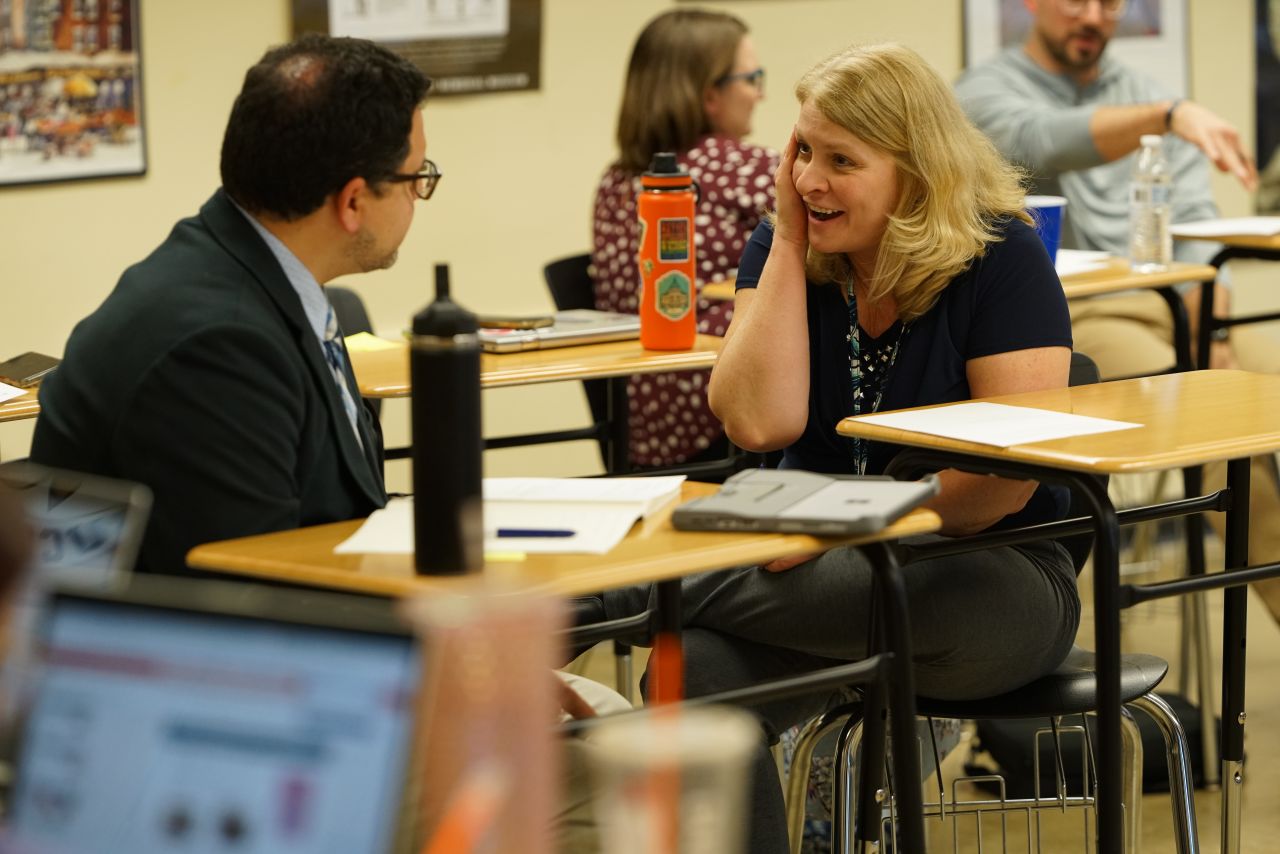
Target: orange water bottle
668 295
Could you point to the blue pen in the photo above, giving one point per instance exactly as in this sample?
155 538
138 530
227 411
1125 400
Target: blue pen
535 532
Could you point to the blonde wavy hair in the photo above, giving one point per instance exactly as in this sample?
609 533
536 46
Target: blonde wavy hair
678 56
955 186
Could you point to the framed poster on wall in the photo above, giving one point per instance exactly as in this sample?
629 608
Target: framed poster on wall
466 46
70 90
1151 36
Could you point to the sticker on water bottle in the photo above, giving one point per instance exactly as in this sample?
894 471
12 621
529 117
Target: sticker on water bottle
673 240
672 295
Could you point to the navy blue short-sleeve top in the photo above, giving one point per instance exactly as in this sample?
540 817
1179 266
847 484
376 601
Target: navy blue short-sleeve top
1009 299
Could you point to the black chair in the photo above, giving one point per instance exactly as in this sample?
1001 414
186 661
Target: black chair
1069 690
569 280
571 286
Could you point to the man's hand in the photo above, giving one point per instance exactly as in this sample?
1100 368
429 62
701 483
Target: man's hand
571 702
1218 139
782 564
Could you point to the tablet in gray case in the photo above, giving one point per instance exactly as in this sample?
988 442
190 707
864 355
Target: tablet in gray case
803 502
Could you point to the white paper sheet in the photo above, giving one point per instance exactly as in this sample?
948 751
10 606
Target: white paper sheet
647 493
996 424
597 528
8 392
1073 261
1261 226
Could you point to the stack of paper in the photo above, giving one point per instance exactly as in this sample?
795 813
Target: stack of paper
1257 226
995 423
535 515
10 391
1073 261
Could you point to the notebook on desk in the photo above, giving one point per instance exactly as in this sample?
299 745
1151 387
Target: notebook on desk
181 715
576 326
801 502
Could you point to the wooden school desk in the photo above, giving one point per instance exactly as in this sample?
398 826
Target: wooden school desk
385 373
1187 419
23 406
653 551
1234 246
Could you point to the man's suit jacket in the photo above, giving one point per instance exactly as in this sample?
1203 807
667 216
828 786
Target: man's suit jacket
200 377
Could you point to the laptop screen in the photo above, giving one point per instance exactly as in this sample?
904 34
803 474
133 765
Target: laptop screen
89 528
162 730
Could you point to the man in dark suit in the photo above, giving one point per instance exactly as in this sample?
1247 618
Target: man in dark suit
212 373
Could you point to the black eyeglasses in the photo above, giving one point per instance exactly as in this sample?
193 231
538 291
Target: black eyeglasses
755 78
424 182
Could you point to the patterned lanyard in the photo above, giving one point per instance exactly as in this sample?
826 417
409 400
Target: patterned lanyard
873 386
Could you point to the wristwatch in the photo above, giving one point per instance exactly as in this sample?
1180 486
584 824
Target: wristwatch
1219 334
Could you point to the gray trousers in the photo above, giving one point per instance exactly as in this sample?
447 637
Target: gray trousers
981 624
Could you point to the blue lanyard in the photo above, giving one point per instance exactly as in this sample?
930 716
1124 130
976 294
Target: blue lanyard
860 446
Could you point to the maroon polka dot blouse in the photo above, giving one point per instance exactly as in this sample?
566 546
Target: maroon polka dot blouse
669 418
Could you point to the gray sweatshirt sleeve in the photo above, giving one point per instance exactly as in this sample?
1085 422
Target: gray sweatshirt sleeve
1025 125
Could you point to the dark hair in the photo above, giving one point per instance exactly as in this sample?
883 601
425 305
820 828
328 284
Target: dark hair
312 115
678 56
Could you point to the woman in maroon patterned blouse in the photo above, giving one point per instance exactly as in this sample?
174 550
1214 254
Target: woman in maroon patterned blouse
692 85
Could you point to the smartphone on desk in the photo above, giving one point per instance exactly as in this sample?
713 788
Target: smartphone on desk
515 321
26 370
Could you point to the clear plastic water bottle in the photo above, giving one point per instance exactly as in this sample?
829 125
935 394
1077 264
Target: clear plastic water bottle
1150 206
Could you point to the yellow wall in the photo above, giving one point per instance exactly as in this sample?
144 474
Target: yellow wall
520 168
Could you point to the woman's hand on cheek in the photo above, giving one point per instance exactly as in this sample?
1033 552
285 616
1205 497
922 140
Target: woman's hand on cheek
793 224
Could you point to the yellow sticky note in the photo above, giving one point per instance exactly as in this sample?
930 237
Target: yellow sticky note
363 342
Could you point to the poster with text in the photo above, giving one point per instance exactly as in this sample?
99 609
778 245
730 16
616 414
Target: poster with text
466 46
70 90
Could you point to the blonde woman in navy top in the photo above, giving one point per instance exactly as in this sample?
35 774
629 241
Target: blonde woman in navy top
900 271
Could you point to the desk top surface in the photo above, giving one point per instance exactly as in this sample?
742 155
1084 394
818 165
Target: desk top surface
1117 276
1114 277
24 406
1187 419
385 373
652 551
1244 241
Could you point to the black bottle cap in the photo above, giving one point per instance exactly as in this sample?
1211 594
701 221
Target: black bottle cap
664 165
444 318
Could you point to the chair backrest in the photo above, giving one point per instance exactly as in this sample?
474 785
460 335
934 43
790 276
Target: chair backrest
349 308
569 280
352 317
1084 371
570 283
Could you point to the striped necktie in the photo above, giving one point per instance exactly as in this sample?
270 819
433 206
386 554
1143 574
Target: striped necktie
337 359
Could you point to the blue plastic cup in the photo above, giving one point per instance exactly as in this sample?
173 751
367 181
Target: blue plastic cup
1046 211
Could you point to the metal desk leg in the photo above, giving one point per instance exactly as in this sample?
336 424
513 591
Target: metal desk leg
1205 329
1106 613
668 653
617 460
1181 329
902 698
1233 656
1198 626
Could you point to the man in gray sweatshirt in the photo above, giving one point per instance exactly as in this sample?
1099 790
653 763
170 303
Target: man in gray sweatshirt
1073 117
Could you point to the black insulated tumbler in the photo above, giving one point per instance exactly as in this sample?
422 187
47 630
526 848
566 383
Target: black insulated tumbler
444 367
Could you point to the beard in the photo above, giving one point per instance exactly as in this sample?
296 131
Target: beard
368 256
1077 60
